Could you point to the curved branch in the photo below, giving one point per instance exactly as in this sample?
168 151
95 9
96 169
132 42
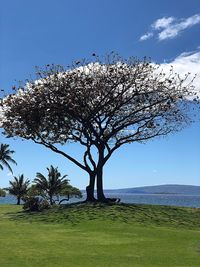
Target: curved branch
62 200
88 154
53 148
91 159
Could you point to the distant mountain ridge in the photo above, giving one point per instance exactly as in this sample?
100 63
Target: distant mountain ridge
160 189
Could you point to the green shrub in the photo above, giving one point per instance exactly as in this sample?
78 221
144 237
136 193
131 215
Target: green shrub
35 204
2 193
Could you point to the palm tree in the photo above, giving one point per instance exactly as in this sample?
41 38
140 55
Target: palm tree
5 157
52 185
18 187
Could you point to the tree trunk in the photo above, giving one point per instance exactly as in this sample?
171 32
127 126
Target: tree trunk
90 189
51 200
100 194
18 200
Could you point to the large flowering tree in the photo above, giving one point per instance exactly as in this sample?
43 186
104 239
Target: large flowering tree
101 105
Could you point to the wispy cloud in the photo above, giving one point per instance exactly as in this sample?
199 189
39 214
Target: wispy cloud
170 27
162 23
146 36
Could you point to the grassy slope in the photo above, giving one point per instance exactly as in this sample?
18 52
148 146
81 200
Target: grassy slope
98 236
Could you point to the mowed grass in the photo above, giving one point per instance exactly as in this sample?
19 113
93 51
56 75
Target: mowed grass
89 235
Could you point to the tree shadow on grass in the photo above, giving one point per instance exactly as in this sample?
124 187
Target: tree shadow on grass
150 215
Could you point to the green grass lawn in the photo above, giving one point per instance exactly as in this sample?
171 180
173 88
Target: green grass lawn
100 236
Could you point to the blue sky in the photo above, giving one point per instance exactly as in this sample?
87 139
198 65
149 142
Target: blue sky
35 33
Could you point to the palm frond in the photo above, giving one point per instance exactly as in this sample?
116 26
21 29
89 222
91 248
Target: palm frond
5 157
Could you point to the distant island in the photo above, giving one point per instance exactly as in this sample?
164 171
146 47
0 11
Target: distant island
159 189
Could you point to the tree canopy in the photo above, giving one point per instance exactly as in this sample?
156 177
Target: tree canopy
102 105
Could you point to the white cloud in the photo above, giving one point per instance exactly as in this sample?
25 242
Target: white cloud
170 27
162 23
168 33
184 63
9 174
172 30
146 36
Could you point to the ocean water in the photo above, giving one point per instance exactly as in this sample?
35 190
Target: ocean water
156 199
160 199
